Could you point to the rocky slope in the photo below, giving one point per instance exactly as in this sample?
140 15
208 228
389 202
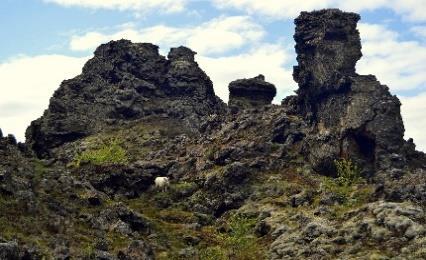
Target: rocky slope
325 175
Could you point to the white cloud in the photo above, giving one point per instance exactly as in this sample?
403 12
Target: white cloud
413 109
213 37
414 10
266 59
135 5
26 85
398 64
419 31
273 8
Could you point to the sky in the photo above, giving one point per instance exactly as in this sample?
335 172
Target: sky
47 41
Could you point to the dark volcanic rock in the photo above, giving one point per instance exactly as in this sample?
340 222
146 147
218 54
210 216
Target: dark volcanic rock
181 53
352 116
125 81
15 171
254 92
328 46
127 181
9 250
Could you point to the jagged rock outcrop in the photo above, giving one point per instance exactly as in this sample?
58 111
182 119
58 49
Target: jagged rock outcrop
125 81
15 171
352 116
249 93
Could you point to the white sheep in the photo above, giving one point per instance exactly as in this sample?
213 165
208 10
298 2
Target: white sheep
162 183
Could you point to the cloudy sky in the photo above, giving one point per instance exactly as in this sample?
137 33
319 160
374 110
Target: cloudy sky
47 41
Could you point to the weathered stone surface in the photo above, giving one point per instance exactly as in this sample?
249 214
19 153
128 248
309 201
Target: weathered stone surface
327 46
249 93
121 219
15 171
125 81
129 181
181 54
9 250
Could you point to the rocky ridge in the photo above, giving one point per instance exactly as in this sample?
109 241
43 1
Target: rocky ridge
325 175
124 82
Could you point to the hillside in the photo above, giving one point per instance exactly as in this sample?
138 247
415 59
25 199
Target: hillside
326 174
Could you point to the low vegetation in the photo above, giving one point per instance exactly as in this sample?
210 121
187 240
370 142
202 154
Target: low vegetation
348 172
238 242
110 152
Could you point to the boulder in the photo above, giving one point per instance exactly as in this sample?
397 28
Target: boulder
249 93
9 250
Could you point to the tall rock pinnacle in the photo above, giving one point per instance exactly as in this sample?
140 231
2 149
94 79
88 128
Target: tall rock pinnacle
327 46
352 116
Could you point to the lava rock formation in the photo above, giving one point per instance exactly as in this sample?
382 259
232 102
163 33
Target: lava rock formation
325 175
248 93
125 81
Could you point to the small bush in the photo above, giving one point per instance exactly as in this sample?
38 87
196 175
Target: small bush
110 152
347 172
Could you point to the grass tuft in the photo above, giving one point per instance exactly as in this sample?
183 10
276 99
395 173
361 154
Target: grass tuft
110 152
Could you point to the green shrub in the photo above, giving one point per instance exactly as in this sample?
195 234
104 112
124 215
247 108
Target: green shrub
347 172
110 152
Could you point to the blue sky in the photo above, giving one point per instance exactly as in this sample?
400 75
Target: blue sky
46 41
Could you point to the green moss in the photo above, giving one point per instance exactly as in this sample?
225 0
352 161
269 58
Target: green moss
117 241
350 196
110 152
89 251
183 189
